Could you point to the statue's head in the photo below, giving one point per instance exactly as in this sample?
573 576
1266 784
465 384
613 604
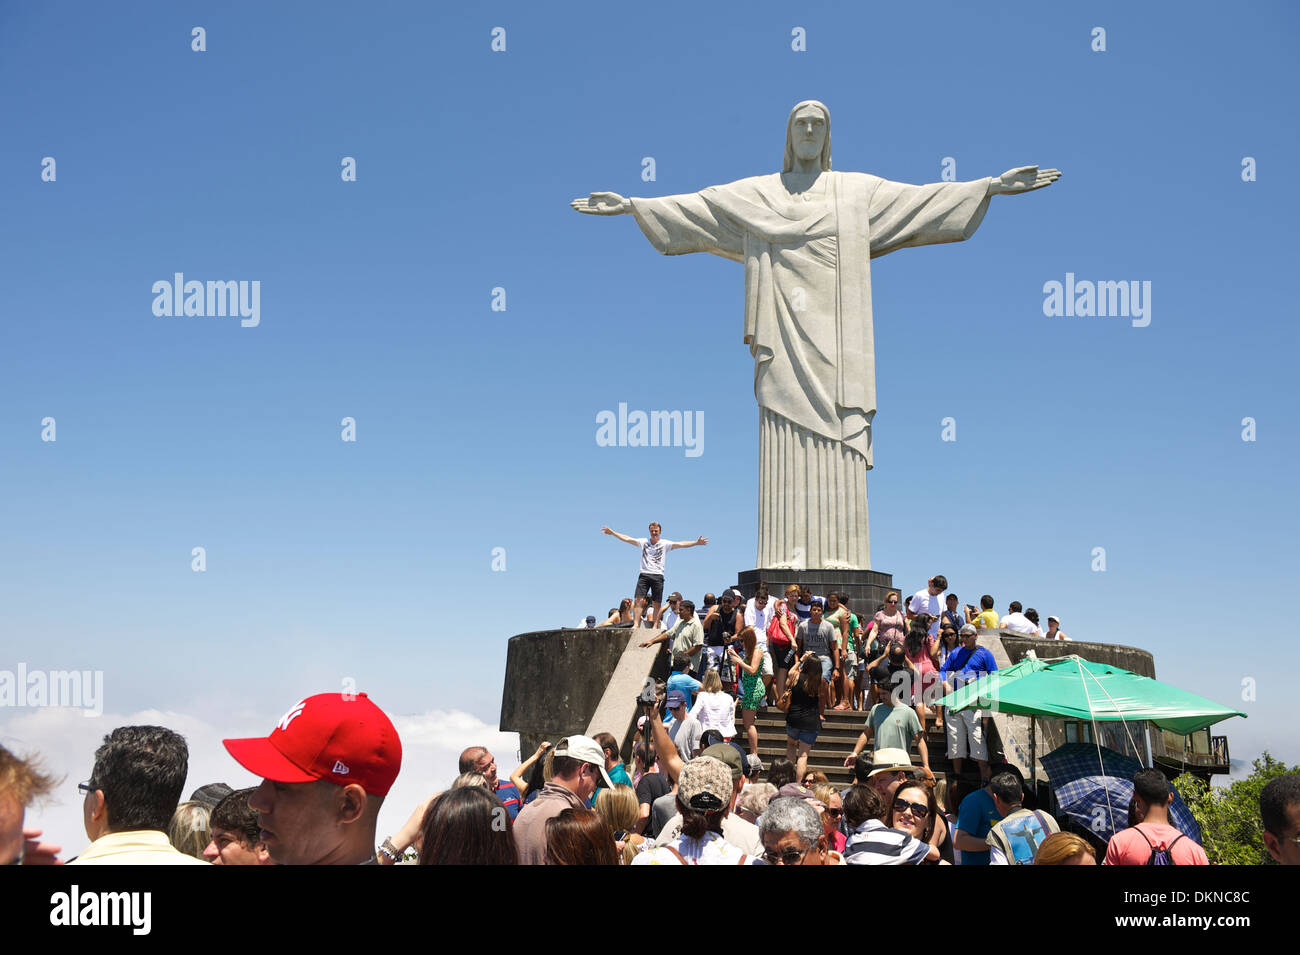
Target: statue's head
808 134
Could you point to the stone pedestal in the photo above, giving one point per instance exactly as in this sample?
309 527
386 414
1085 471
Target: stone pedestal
865 588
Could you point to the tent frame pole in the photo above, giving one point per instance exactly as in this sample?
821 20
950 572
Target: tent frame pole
1033 752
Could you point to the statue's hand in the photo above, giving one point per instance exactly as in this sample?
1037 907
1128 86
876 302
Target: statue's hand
603 204
1025 179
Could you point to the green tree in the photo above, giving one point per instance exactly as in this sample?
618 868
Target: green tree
1229 818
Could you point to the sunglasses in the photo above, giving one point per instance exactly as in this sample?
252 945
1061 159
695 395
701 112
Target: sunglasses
918 810
788 857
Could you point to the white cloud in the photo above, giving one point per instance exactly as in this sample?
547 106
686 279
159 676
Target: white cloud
66 742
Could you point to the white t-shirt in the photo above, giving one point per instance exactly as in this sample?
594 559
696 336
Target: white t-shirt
1019 623
653 555
711 850
669 619
759 619
923 602
716 711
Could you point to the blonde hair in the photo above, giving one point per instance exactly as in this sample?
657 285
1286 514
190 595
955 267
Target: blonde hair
23 779
825 792
792 591
941 793
619 808
469 779
712 682
1061 847
190 829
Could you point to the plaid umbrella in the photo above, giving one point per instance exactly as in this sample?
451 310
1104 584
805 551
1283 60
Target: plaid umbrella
1091 791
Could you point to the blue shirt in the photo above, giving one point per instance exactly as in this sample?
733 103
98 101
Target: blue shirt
976 817
972 665
687 684
509 795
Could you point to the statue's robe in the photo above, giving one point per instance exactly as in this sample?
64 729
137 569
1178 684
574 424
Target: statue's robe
808 325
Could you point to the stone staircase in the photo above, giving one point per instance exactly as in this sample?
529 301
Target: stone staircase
839 734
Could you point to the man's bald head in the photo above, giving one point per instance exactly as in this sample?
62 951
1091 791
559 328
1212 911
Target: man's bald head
470 758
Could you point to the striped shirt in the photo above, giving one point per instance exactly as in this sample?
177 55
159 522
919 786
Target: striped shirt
874 843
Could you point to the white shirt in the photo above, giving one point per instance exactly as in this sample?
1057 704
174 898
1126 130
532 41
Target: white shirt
759 619
711 850
669 619
739 832
923 602
716 711
1019 623
653 555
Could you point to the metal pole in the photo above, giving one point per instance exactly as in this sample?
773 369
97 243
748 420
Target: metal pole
1033 752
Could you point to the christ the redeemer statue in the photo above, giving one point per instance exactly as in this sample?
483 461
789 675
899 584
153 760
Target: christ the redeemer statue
807 237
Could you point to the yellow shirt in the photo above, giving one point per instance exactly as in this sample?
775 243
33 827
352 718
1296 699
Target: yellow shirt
986 620
134 847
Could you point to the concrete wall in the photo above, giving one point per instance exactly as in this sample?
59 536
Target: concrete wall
555 680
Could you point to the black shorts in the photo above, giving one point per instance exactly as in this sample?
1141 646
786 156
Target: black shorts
652 584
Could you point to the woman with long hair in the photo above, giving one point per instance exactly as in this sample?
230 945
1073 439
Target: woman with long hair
620 809
622 617
915 810
714 708
464 827
832 814
579 837
751 683
781 772
804 703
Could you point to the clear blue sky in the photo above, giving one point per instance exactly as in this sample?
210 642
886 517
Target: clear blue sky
372 560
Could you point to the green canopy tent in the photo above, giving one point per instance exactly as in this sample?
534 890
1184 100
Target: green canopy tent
1075 688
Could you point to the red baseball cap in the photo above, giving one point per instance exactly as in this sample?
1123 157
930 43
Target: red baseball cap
341 737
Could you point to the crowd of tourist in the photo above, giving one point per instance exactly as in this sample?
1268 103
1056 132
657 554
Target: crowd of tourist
329 763
804 653
696 791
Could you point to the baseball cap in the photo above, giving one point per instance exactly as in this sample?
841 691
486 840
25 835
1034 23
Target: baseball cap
729 756
676 698
705 784
211 794
585 750
340 737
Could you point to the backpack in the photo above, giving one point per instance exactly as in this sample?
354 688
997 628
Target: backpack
1162 856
